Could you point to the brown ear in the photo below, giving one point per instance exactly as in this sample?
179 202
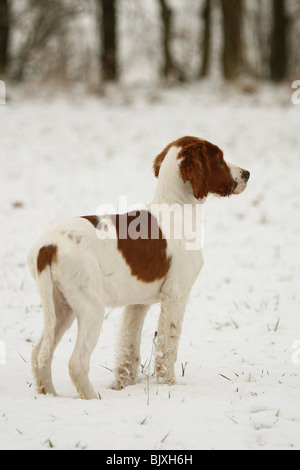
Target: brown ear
194 167
159 159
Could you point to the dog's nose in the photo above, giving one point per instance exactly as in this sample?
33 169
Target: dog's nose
246 175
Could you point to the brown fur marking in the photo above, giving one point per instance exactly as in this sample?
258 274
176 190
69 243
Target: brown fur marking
182 142
146 254
141 243
94 219
47 255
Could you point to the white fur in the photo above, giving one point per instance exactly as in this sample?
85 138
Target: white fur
90 274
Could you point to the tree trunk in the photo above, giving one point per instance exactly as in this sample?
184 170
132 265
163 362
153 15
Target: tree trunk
166 16
170 68
108 27
233 61
4 33
206 15
278 60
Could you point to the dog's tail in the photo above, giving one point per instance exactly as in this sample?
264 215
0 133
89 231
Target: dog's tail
40 267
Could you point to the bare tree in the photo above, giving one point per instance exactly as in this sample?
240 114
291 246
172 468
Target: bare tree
278 59
4 34
233 60
206 40
108 29
48 23
166 16
170 68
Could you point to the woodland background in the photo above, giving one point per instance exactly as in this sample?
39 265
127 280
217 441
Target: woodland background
95 90
92 42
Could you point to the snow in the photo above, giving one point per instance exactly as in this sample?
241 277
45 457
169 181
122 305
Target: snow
64 155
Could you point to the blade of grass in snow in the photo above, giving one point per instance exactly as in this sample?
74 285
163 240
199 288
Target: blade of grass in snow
224 376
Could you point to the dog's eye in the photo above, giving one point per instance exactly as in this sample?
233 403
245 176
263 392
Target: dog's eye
221 160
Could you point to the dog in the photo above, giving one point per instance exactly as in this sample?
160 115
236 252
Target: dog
84 264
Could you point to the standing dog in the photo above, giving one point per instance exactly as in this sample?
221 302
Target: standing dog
84 264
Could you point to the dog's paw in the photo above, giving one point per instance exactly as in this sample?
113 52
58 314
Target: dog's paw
164 375
123 378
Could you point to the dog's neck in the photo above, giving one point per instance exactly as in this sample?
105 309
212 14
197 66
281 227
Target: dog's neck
170 187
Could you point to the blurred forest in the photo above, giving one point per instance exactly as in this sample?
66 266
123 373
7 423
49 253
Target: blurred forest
93 42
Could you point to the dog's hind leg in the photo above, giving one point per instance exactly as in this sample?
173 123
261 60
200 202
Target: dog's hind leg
64 319
89 311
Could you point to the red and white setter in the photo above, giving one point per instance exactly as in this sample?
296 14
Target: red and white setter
84 264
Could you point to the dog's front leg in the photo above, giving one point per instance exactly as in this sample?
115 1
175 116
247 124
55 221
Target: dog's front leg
169 329
128 353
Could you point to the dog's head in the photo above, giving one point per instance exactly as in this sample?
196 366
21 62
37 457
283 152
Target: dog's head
202 164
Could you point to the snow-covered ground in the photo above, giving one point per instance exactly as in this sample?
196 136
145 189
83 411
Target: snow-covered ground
238 367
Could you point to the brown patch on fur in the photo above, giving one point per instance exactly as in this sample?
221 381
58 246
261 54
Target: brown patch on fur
142 244
194 168
182 142
47 255
94 219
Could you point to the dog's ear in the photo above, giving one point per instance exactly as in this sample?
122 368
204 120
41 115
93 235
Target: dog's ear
159 159
194 167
